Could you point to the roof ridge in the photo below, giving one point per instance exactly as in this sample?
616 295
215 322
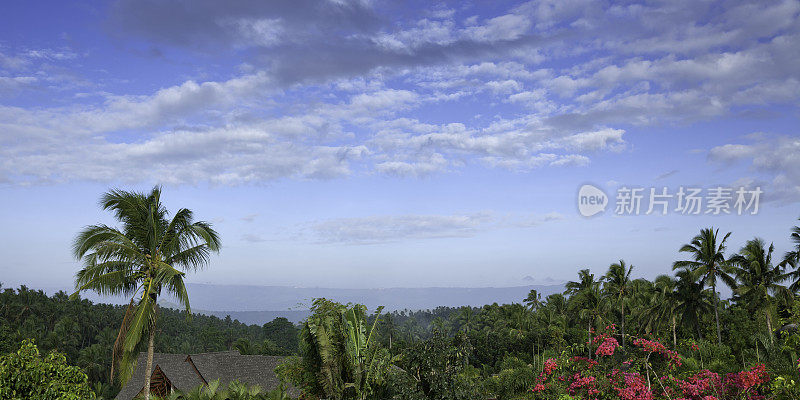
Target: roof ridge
197 371
216 352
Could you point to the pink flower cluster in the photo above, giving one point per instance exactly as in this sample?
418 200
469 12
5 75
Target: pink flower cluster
745 381
587 383
609 378
705 384
634 388
701 382
549 366
607 347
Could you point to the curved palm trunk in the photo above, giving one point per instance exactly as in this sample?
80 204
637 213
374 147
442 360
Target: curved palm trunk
590 339
623 325
716 313
769 326
149 370
674 337
697 327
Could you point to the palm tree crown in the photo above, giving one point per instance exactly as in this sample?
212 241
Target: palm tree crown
792 260
757 279
147 254
617 286
708 262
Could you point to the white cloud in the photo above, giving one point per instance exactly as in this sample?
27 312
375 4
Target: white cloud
422 166
11 83
731 152
265 32
504 27
391 228
596 140
776 158
388 228
504 87
555 81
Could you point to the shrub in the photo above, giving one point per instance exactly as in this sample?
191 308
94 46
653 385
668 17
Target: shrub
26 375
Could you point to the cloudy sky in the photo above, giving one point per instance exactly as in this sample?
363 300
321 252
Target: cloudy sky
374 143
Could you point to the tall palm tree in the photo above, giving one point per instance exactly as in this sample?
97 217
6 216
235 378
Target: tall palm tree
554 310
693 299
792 260
618 286
708 261
585 281
757 279
147 254
663 305
586 296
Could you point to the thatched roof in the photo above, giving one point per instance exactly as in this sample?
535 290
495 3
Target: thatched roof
185 372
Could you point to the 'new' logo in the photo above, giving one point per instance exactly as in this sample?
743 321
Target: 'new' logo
591 200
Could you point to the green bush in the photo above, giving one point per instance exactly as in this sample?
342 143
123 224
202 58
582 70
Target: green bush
26 375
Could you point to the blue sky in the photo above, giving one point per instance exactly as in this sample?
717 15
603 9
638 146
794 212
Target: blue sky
379 144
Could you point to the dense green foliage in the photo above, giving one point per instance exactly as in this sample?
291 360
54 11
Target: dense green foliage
85 332
340 358
25 374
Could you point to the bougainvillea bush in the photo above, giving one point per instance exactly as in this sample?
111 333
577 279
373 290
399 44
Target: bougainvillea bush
646 370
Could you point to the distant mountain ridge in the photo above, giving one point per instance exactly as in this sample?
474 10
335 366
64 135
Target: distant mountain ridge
260 304
258 298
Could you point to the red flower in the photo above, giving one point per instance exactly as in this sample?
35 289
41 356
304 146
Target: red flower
607 347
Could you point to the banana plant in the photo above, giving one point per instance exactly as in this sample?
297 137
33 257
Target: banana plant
341 352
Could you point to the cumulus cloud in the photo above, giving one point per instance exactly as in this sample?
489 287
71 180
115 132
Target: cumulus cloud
334 88
774 158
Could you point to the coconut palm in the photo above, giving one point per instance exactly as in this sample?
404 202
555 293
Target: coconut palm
148 254
617 286
554 310
534 300
693 300
792 260
662 306
585 281
585 295
708 261
757 279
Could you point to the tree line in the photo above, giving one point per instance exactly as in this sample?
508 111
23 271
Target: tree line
85 332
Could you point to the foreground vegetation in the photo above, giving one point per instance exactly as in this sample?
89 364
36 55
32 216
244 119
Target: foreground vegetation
605 337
